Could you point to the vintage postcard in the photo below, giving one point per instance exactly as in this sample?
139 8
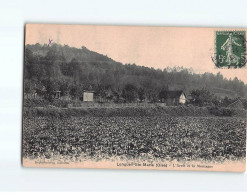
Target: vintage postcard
134 97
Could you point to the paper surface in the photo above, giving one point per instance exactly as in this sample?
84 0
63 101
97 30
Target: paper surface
134 97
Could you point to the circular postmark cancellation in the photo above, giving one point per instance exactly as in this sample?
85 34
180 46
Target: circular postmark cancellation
230 49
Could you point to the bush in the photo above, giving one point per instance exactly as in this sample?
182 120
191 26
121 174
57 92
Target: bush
176 111
114 111
44 103
217 111
35 102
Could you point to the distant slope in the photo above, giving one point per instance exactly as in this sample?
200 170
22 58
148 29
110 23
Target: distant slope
221 92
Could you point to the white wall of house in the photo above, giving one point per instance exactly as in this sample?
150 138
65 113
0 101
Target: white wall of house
87 96
182 99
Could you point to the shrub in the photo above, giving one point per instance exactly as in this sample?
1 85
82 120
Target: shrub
217 111
176 111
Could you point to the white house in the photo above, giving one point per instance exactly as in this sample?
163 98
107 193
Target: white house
88 96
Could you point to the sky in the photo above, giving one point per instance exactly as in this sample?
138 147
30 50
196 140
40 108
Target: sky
157 47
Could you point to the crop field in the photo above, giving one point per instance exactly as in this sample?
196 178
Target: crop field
152 137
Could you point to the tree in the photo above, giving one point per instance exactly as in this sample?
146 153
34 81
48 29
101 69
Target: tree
201 97
28 86
71 66
76 91
141 94
65 88
163 93
226 101
130 93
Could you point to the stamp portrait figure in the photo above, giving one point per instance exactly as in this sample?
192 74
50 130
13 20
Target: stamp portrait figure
228 47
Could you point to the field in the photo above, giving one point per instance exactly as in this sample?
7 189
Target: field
149 137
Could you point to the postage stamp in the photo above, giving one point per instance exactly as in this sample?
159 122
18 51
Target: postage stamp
230 49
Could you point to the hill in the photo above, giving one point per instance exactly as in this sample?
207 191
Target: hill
71 70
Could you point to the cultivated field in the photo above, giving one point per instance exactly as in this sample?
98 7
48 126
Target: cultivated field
150 137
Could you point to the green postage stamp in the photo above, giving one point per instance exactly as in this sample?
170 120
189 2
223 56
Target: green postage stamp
230 49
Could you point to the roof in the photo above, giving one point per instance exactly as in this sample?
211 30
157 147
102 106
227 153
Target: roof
88 91
174 94
243 100
236 104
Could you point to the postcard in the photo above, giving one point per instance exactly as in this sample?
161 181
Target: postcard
134 97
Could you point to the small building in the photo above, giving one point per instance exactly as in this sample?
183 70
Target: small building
30 95
237 104
57 94
88 96
173 97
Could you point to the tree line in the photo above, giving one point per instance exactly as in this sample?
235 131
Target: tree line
72 70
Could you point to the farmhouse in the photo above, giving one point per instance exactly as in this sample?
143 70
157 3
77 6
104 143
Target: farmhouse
237 104
173 97
88 96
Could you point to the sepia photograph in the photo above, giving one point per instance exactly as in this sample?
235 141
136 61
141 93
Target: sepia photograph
134 97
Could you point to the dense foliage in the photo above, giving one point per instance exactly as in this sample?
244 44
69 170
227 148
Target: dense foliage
71 70
157 138
140 110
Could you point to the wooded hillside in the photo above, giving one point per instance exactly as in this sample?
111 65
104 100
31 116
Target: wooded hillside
72 70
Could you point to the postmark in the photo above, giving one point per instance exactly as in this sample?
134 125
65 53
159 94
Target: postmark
230 49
